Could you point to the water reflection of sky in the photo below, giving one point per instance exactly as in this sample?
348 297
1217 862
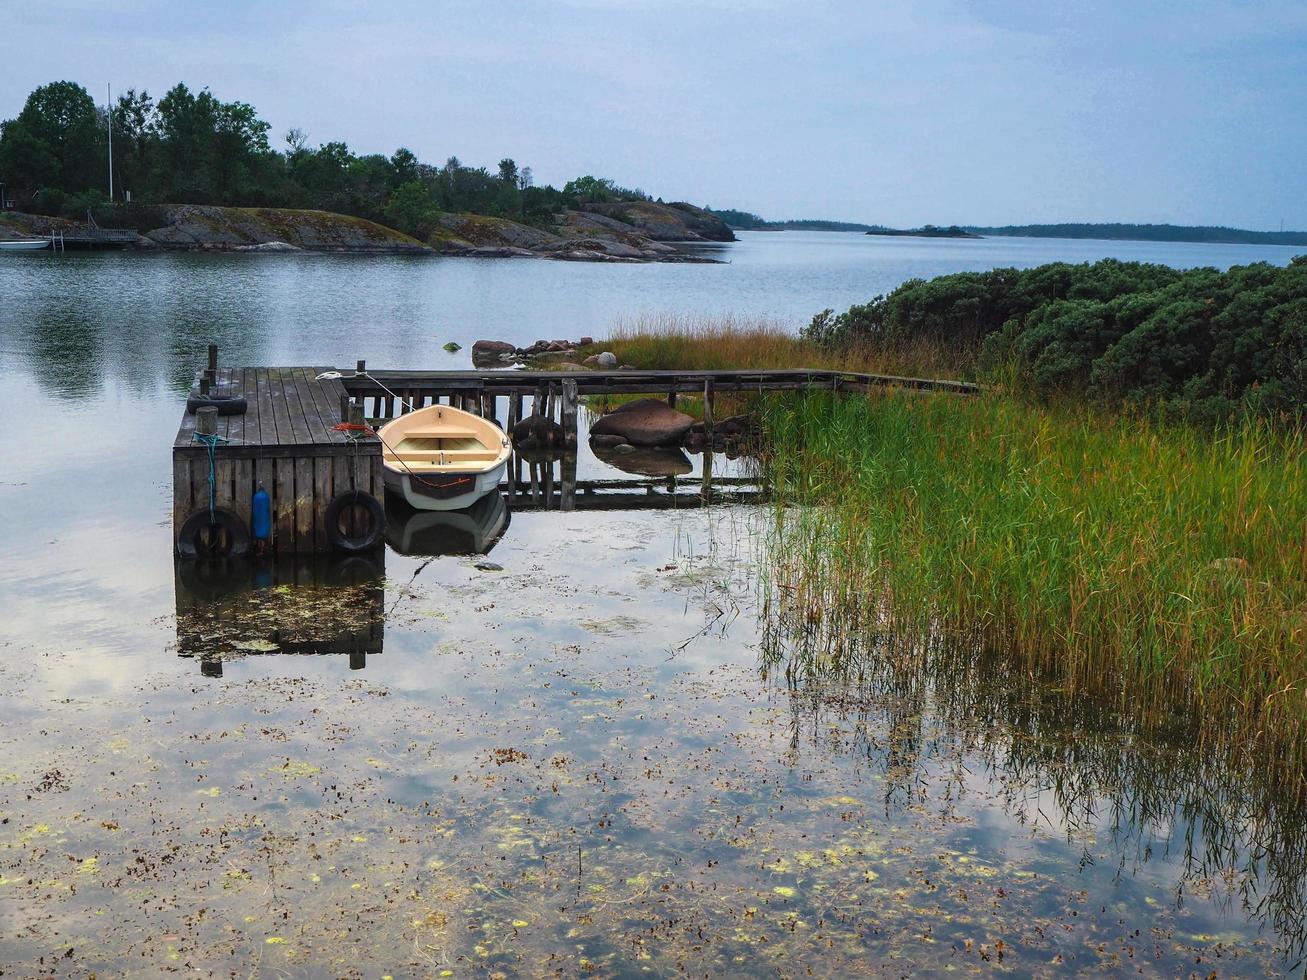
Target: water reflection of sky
669 805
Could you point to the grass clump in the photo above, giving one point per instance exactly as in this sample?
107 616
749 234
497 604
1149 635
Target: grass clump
1161 565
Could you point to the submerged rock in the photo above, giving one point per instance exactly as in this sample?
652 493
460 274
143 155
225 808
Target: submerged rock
452 347
538 432
645 422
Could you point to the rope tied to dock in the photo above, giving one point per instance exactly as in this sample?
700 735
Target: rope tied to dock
211 444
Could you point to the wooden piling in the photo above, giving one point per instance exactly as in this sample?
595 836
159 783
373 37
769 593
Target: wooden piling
206 421
568 412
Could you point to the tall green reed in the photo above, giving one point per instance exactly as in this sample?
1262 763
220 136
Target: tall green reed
1158 565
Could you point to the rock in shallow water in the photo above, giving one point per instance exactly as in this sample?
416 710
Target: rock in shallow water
645 422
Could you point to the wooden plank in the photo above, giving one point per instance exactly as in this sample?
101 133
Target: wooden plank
182 493
283 506
304 529
299 425
319 406
318 432
267 416
243 490
322 495
367 447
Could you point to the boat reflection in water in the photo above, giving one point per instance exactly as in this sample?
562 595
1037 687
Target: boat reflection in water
230 610
471 531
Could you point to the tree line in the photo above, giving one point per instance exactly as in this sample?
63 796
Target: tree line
192 148
1197 342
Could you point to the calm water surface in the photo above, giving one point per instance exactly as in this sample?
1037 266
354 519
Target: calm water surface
593 760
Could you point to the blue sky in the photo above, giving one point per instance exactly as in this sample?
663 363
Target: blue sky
975 111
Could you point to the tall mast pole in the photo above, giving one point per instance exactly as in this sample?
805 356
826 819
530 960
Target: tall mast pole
108 103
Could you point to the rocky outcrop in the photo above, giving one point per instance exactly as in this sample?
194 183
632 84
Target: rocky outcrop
195 226
628 232
677 222
563 351
645 422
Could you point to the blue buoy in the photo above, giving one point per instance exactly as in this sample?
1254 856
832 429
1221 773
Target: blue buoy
261 515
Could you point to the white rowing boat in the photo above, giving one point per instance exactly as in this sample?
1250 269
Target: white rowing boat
443 458
25 245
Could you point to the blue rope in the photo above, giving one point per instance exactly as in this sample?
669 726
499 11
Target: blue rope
211 443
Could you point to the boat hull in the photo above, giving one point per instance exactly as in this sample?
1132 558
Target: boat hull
443 491
30 246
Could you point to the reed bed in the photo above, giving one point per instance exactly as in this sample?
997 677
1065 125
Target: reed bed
1160 566
721 343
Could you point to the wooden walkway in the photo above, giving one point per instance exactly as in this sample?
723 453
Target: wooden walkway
422 387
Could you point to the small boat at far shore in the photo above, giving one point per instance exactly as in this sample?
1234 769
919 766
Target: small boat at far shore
442 458
25 245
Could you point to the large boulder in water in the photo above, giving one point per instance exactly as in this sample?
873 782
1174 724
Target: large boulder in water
645 422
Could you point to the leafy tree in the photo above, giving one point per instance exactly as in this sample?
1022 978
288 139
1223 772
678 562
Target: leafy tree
56 142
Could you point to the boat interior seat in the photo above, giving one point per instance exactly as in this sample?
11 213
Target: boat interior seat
442 455
440 434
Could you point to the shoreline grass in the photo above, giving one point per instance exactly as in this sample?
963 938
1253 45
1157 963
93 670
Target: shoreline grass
721 343
1158 564
1161 567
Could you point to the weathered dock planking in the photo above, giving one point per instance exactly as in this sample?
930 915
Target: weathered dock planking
286 442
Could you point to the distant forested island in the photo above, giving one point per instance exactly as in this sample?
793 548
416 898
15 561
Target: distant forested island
748 221
1115 231
926 231
195 170
1147 233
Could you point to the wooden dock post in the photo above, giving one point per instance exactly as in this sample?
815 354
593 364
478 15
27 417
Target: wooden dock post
567 476
707 408
705 484
569 414
213 358
206 421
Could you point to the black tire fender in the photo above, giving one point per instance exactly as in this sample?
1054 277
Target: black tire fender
226 405
361 540
190 543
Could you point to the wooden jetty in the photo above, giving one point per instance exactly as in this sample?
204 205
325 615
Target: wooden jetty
290 440
287 442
